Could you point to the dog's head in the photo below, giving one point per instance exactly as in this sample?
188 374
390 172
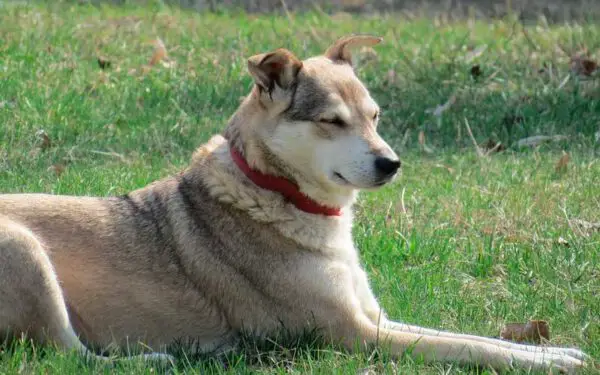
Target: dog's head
315 122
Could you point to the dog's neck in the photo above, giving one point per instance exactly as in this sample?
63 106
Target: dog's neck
213 167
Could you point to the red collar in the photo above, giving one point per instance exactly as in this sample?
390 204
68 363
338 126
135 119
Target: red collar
283 186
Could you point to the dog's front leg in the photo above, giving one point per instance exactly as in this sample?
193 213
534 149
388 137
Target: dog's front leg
449 349
401 327
370 307
368 302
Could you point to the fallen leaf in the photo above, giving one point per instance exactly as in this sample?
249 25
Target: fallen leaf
582 66
160 52
44 139
533 331
563 242
536 140
103 63
562 163
476 71
58 169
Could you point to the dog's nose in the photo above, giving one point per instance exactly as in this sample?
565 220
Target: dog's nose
386 166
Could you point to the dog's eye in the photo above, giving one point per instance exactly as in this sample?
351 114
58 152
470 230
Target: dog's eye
375 116
335 121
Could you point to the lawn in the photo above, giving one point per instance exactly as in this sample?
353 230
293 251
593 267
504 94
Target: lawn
461 241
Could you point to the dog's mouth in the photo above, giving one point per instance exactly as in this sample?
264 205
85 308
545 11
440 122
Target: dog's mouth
382 182
341 180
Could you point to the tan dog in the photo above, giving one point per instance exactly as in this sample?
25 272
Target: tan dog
254 235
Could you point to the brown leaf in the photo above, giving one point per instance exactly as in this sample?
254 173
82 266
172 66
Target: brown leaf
43 139
103 63
160 52
563 162
582 66
476 71
58 169
533 331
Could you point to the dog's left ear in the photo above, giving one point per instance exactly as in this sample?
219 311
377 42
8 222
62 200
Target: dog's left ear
279 67
340 51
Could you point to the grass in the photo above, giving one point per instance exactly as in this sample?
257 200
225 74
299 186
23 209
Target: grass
459 242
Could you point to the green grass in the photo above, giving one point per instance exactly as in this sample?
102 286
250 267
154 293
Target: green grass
458 242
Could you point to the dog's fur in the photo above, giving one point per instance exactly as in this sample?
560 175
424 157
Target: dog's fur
207 254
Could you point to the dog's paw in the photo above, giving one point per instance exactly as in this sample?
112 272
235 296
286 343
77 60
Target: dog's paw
553 362
570 352
575 353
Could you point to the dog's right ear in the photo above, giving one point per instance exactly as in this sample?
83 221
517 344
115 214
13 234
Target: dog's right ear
279 67
340 50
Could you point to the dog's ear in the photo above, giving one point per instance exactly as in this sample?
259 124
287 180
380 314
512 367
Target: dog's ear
340 51
279 67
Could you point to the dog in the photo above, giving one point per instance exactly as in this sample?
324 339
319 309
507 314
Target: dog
254 235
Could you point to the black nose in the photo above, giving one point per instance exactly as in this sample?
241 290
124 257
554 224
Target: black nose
386 166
